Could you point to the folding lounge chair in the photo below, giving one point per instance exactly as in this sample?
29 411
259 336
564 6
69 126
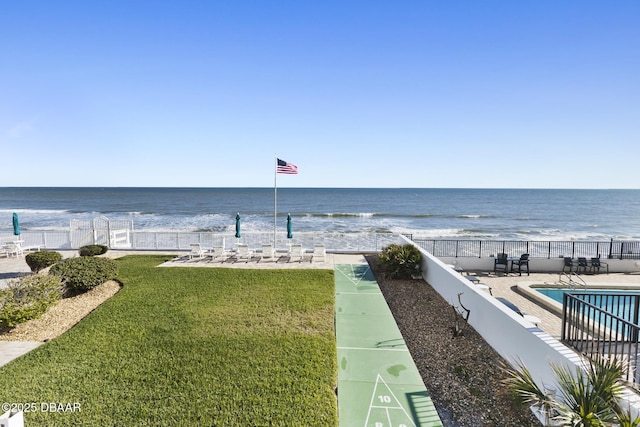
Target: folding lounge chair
243 252
296 252
218 252
268 253
196 251
318 252
14 248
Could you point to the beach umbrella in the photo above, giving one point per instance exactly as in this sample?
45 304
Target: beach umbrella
289 227
238 235
16 225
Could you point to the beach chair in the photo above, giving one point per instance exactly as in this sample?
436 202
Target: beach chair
522 262
596 265
296 252
196 251
218 252
501 263
243 252
318 252
268 253
14 248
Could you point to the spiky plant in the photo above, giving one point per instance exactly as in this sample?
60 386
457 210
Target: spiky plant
588 397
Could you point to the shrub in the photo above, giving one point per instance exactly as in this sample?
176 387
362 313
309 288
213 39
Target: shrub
85 273
38 261
93 250
28 297
401 261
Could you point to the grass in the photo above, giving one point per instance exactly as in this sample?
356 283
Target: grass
191 346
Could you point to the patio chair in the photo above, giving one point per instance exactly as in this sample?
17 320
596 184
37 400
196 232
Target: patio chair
268 253
243 252
218 252
521 263
568 263
296 251
501 263
14 248
596 265
196 251
582 264
318 252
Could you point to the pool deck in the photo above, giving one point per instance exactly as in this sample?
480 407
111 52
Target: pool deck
506 286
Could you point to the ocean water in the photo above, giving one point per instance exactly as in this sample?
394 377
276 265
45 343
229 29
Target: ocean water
526 214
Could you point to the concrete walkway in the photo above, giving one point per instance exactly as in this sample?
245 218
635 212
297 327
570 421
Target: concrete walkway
378 382
11 268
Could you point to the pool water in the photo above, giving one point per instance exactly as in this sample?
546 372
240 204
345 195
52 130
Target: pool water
556 294
623 307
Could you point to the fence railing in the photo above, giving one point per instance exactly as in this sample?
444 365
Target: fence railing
621 249
179 240
362 242
605 324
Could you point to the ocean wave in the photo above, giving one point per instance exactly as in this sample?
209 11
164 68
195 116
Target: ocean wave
35 211
396 215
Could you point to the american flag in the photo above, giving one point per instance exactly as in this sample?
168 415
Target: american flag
284 167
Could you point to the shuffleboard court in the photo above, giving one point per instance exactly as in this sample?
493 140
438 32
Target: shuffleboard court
378 382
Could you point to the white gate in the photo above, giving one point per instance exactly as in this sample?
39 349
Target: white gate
115 234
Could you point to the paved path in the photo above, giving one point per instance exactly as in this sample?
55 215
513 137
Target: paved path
378 382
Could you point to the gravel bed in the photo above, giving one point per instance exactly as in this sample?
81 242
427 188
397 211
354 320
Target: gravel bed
462 373
62 316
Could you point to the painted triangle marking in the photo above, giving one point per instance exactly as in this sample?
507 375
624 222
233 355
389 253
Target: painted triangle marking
385 409
355 276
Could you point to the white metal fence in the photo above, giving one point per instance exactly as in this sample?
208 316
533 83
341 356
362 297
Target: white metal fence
179 240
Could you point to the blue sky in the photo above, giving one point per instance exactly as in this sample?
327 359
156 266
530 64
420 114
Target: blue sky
539 94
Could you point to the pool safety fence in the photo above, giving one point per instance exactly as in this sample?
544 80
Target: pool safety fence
604 324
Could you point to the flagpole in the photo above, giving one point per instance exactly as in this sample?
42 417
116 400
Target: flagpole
275 200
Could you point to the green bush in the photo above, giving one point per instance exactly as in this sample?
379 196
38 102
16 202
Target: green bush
85 273
93 250
28 297
401 261
40 260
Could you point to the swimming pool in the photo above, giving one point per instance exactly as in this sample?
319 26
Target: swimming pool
557 293
624 303
549 294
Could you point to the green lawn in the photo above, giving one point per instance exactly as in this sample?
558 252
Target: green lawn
191 346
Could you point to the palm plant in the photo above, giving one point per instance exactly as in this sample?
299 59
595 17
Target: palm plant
588 397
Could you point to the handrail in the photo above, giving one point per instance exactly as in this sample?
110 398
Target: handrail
571 283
